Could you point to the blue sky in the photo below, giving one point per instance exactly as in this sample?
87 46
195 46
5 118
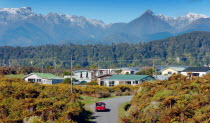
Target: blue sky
111 11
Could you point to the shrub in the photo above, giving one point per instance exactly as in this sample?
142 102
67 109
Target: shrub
36 102
177 100
92 83
68 80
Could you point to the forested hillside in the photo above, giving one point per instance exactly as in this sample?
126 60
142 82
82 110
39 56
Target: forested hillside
177 100
187 49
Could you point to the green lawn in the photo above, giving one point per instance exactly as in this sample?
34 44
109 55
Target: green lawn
15 76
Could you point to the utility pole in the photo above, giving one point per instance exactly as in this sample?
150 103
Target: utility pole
42 68
98 69
71 77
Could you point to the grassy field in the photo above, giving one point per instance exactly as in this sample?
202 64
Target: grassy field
89 100
15 76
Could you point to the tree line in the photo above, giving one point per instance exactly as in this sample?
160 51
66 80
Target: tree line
187 49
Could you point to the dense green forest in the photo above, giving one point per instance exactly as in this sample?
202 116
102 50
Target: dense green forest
177 100
187 49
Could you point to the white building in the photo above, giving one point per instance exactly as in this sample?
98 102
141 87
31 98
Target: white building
196 71
172 70
129 70
43 78
101 72
126 80
82 75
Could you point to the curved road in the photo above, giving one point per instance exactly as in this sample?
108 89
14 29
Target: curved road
111 115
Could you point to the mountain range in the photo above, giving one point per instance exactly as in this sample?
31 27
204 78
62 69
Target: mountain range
23 27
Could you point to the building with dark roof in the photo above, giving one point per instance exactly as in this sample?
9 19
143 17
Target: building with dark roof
196 71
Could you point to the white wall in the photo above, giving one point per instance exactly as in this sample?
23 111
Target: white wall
86 78
166 71
46 81
33 76
116 82
200 73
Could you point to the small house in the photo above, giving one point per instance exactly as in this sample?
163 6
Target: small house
172 70
196 71
129 70
160 68
101 72
82 75
126 80
43 78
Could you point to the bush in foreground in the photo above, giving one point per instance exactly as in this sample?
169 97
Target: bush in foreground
177 100
21 101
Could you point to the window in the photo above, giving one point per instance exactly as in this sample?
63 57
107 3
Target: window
39 80
81 75
128 82
87 75
136 82
101 83
31 80
132 72
169 72
111 83
195 74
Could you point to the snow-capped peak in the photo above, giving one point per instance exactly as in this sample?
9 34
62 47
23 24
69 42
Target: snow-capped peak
26 10
15 14
192 16
180 22
77 20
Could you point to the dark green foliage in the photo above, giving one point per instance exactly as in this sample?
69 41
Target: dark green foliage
146 72
191 48
67 73
68 80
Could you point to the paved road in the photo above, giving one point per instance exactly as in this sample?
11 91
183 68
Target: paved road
110 116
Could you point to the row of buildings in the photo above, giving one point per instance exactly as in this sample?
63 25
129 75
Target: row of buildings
112 77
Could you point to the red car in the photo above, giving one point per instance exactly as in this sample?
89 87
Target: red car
100 106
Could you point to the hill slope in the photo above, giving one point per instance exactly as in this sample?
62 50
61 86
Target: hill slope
176 100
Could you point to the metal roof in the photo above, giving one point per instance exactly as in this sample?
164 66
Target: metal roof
176 68
47 75
129 68
79 71
162 67
127 77
197 69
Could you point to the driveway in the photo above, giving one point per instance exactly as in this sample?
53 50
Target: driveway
111 115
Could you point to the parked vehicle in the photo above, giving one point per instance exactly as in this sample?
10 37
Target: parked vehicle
100 106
